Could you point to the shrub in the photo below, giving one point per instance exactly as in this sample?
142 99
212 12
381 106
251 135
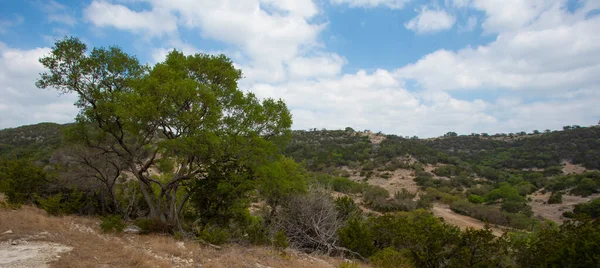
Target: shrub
404 194
356 236
257 231
390 258
373 193
112 223
21 180
59 204
348 264
513 206
280 241
346 207
214 234
585 187
475 199
591 209
555 198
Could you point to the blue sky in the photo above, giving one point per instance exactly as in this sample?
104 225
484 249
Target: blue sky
405 67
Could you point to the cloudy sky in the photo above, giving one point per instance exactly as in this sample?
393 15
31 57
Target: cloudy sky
405 67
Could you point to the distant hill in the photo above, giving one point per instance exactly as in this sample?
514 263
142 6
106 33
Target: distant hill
37 141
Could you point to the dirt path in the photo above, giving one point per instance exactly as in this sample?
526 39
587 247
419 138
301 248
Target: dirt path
461 221
31 254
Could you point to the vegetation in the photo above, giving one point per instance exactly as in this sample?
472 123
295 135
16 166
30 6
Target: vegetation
177 148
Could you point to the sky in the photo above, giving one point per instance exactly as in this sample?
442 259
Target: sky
402 67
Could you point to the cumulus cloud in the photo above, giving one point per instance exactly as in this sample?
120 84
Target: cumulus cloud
154 23
23 103
393 4
543 65
558 51
431 21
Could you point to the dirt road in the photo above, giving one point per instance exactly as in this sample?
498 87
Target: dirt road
461 221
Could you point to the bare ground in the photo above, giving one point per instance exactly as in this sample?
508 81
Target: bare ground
554 212
72 241
461 221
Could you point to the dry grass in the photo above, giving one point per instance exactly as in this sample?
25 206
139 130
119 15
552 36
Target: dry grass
91 248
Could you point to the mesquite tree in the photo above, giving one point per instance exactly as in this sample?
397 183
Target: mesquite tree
173 124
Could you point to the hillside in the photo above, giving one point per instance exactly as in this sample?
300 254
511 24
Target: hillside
501 184
31 238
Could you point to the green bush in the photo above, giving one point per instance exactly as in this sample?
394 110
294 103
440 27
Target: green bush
585 187
257 231
112 223
475 199
280 241
60 204
21 180
346 207
214 234
357 237
348 264
591 208
390 258
555 198
404 194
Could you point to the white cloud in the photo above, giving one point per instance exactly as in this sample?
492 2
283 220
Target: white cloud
23 103
558 51
506 15
154 23
431 21
393 4
317 66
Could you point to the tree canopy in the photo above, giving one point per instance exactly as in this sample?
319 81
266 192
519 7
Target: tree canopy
187 109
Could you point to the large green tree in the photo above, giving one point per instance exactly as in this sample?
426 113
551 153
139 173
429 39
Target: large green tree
186 113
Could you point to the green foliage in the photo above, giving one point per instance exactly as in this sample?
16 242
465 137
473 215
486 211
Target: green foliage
480 248
555 198
357 237
348 264
338 184
112 223
36 142
590 209
491 214
278 180
258 232
404 194
504 192
214 234
60 204
280 241
187 109
391 258
575 244
586 187
346 207
21 180
475 199
425 238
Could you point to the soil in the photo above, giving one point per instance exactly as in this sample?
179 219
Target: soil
461 221
554 212
30 253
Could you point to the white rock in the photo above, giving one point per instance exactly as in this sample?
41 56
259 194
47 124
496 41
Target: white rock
132 229
8 232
